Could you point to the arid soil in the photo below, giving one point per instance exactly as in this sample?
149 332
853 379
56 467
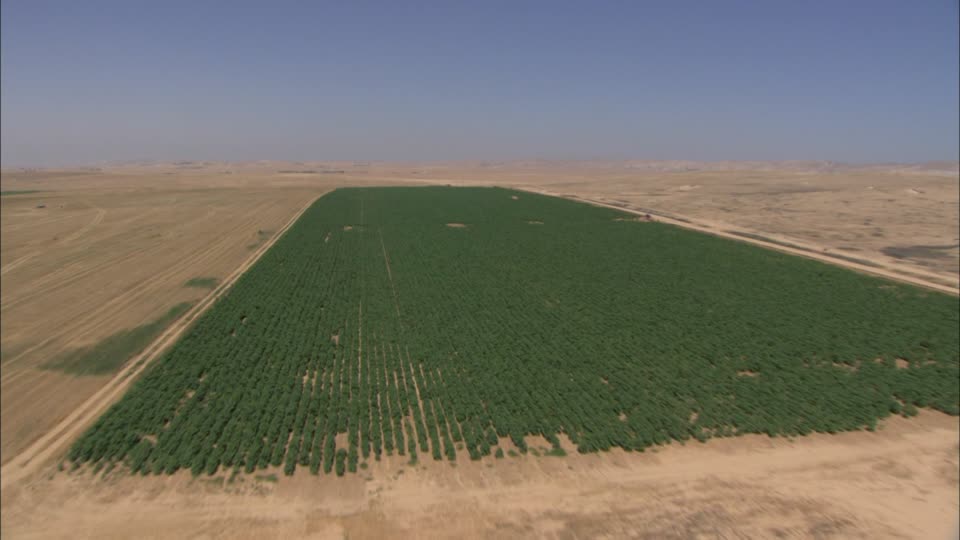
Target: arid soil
900 482
113 248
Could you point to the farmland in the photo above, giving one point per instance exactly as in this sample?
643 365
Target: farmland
98 272
447 323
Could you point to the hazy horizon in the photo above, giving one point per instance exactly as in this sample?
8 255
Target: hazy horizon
852 82
707 164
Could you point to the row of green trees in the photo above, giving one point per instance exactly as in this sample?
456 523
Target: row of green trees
372 328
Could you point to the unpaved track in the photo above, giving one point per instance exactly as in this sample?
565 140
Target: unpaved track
13 265
899 482
70 427
690 224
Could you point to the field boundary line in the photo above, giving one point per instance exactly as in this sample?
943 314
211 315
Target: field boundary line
690 224
44 448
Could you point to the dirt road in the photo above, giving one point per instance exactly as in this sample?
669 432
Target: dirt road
900 482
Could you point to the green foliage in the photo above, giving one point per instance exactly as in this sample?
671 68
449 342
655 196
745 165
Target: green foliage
18 192
371 326
113 352
202 282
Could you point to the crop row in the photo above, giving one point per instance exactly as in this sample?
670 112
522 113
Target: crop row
372 327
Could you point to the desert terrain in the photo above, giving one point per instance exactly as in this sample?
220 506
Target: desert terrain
900 482
113 247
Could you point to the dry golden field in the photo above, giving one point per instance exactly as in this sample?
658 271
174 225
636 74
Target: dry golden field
112 250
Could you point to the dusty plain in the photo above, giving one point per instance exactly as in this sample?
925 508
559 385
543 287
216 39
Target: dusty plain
113 246
900 482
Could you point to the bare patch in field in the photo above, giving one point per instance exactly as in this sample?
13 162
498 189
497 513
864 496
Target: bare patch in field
852 368
534 222
456 225
747 373
902 364
348 227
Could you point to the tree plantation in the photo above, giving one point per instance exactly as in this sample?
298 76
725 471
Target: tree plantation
452 323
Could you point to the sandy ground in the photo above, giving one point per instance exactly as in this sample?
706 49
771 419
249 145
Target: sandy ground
113 248
900 482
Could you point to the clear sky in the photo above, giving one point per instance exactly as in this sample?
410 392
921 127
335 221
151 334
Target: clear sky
841 80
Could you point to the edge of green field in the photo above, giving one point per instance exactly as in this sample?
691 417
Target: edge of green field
879 385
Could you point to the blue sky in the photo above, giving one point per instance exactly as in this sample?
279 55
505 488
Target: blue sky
846 80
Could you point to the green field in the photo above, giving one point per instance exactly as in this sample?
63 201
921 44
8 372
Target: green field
375 317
